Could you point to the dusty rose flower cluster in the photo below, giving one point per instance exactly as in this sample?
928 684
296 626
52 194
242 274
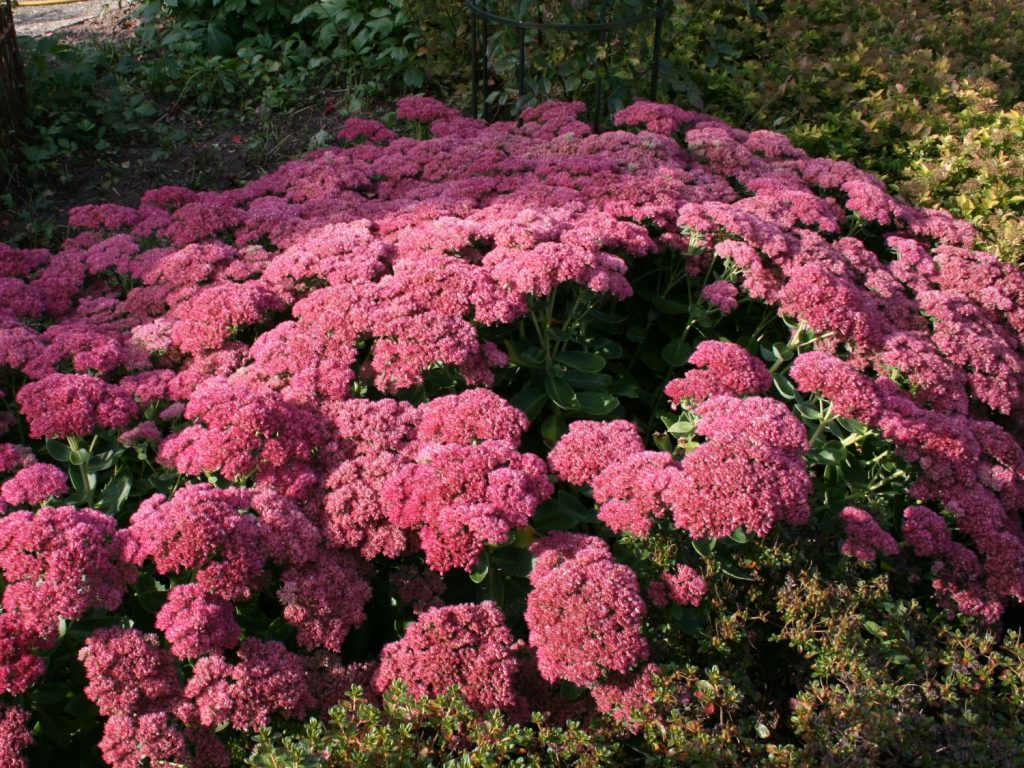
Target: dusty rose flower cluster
750 473
585 611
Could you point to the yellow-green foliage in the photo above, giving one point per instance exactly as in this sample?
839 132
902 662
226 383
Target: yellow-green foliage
976 172
921 92
832 669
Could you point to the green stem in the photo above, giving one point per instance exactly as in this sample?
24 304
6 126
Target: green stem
826 419
895 476
855 438
83 471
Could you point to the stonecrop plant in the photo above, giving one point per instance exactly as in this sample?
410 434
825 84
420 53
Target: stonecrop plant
514 408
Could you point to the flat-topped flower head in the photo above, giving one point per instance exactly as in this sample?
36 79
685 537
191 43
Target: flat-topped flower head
585 613
589 446
467 646
65 404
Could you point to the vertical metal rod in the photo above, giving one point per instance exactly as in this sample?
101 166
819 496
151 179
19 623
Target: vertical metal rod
475 60
483 63
522 67
601 39
659 22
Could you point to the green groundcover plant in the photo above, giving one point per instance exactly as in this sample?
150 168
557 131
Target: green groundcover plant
514 444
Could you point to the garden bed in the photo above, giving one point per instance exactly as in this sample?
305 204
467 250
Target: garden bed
674 431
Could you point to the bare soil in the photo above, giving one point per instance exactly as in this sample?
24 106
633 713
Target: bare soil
109 19
219 154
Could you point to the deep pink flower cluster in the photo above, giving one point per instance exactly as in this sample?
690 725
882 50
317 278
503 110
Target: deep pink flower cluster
448 472
743 476
585 612
325 598
421 591
720 368
267 680
14 736
460 498
683 586
590 446
750 472
467 646
356 128
34 484
63 404
197 623
58 563
721 294
628 698
974 467
243 429
632 491
224 536
865 538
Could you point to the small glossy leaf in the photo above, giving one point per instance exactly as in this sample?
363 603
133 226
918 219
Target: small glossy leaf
570 691
101 461
530 400
681 428
704 547
560 392
785 387
781 351
78 456
580 380
875 629
115 494
553 427
58 450
808 411
582 361
481 569
574 508
676 352
596 403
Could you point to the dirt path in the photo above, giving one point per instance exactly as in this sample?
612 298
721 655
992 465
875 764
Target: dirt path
43 20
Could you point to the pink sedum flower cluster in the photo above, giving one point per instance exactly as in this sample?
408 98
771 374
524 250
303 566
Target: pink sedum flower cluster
70 404
865 538
585 612
683 586
720 368
14 736
750 473
34 484
467 646
57 564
